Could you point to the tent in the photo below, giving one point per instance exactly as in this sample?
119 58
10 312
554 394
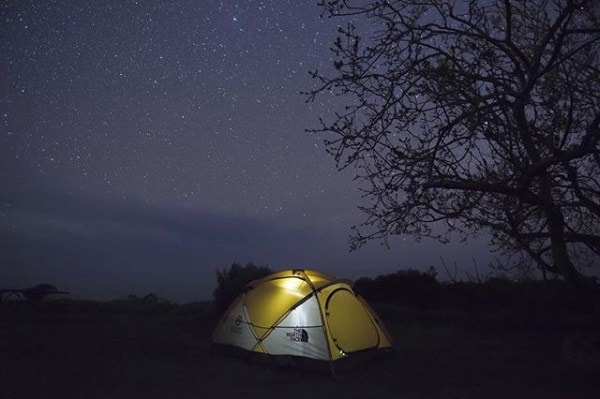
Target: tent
301 313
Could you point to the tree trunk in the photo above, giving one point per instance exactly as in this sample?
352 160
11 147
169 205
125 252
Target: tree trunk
556 227
560 255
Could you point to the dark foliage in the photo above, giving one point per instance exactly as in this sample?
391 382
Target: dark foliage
421 289
38 292
406 287
232 282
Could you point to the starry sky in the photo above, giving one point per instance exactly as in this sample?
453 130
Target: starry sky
144 144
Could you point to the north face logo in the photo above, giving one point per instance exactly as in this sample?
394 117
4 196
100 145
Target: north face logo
299 335
237 327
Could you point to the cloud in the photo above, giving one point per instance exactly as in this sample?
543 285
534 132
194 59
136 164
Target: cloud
102 241
106 247
72 216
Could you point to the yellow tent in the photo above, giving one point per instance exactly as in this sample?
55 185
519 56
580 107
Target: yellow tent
301 313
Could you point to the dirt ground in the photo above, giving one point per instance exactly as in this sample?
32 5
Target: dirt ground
125 350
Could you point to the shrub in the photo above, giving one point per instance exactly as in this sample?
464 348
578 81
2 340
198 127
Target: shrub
232 282
405 287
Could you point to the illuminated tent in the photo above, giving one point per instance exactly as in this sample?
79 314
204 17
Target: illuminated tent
301 313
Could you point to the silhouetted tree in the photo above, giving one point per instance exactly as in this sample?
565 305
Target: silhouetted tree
232 282
366 287
40 291
406 287
464 116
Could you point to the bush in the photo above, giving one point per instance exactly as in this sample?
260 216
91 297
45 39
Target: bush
232 282
404 287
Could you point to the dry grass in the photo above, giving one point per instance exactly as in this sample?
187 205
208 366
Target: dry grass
91 350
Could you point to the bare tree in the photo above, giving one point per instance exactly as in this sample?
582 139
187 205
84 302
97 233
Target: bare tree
473 115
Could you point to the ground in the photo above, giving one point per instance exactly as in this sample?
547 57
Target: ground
148 350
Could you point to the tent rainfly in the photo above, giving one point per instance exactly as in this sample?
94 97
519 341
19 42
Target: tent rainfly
301 313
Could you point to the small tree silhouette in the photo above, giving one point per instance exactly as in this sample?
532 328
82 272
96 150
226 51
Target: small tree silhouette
39 292
232 282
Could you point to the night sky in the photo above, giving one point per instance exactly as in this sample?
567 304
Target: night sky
143 144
